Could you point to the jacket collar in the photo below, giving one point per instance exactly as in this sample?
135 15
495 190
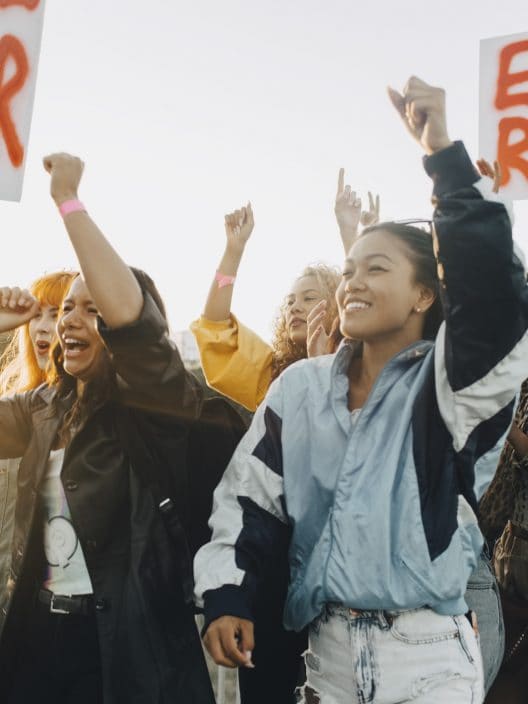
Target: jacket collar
347 350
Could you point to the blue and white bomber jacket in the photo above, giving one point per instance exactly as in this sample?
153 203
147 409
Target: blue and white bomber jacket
369 509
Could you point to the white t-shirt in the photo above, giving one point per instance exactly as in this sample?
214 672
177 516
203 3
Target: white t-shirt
66 573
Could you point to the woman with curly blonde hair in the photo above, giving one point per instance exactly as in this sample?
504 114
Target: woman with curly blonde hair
235 360
289 342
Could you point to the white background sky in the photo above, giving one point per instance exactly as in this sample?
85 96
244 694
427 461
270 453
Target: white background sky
185 110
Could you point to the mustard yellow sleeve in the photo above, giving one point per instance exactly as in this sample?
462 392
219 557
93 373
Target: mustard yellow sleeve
235 360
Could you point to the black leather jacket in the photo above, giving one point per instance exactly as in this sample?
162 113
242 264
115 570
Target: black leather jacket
150 649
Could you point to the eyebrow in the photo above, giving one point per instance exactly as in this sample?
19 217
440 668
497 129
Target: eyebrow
87 302
370 256
307 290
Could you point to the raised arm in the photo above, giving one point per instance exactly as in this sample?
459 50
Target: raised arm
348 212
481 351
238 227
17 307
114 289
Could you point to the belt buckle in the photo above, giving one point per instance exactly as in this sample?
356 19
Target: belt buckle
56 610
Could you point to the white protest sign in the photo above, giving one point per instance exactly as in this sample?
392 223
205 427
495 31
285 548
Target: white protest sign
20 33
503 133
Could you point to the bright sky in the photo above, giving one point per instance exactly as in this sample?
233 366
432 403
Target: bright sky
185 110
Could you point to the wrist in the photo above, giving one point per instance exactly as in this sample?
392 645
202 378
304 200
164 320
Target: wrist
230 262
348 229
64 196
438 145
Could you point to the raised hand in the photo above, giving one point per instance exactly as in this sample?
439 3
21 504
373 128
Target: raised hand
316 337
494 172
371 216
422 109
239 226
347 205
17 307
66 172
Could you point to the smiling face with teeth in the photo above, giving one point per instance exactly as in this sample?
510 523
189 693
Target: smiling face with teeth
79 338
379 297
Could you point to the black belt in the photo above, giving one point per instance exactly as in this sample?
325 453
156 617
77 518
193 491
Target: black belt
78 605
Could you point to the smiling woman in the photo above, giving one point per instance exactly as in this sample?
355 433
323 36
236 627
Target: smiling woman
363 469
97 598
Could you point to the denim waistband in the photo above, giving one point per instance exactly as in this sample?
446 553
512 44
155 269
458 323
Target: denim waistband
384 617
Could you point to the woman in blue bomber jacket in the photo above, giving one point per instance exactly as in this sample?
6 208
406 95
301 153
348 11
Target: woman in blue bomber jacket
368 463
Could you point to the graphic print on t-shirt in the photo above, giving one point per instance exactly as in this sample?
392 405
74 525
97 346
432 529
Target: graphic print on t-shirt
60 542
66 572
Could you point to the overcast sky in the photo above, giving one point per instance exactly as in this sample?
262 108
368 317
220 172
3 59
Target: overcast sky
185 110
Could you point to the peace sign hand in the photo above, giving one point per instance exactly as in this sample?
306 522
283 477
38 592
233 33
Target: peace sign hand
347 206
371 216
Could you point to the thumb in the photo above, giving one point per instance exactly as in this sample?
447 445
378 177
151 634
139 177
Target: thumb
397 100
48 163
247 637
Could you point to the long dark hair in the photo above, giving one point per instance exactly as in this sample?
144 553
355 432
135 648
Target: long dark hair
419 244
100 389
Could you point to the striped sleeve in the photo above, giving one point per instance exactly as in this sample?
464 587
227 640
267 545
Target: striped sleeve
481 352
249 524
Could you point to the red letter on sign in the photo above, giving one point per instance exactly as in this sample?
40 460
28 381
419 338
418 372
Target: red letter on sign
11 47
503 98
509 155
29 4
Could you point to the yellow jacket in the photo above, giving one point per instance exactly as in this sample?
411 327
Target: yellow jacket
235 360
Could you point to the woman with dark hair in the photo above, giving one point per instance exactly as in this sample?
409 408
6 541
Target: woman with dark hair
98 606
368 463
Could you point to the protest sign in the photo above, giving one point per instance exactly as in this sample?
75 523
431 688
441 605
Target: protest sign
20 34
503 118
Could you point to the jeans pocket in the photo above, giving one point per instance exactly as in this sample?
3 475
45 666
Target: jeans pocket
465 633
423 626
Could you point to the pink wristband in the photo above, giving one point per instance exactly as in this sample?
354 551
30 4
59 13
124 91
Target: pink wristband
224 279
71 206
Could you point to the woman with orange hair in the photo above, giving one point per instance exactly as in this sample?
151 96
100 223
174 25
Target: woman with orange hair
23 367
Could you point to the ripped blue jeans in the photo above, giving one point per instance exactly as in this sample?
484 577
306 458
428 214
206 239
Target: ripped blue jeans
380 657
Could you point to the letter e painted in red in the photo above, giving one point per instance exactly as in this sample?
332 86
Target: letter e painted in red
503 98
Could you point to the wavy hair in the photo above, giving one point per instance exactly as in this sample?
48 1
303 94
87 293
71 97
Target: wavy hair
286 352
102 388
19 369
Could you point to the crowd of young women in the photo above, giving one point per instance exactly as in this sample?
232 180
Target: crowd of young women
345 524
